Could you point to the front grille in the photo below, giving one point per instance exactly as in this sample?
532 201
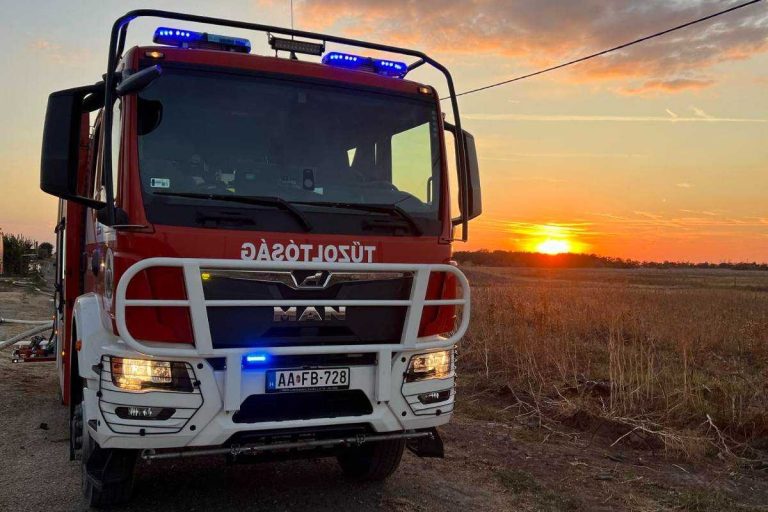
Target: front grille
238 326
303 406
264 284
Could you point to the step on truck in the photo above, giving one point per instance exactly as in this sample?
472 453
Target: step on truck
254 252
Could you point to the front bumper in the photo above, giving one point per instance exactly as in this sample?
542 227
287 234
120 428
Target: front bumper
200 417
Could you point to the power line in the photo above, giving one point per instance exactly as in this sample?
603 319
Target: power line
615 48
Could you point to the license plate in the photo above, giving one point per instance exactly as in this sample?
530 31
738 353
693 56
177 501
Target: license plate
307 380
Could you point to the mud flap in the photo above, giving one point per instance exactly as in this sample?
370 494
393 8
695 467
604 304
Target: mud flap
105 467
429 446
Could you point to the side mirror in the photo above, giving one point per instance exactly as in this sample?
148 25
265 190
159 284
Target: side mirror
468 169
139 81
61 138
474 197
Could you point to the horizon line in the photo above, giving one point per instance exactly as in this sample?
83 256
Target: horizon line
618 258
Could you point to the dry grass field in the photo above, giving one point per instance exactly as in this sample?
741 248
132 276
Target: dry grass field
667 359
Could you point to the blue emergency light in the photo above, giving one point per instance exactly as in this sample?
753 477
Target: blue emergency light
255 360
343 60
384 67
202 40
390 68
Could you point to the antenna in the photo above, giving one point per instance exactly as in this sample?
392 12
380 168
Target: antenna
291 18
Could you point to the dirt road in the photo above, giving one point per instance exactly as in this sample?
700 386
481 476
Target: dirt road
488 466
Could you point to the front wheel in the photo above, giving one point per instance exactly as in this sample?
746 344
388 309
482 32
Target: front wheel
372 462
107 474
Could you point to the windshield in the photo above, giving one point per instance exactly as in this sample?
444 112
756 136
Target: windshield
323 149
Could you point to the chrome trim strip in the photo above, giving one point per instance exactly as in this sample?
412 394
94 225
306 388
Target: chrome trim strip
289 279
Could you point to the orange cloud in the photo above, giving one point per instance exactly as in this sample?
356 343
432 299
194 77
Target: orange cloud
669 86
42 45
537 34
57 54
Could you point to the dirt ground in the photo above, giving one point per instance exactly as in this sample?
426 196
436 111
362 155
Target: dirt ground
488 465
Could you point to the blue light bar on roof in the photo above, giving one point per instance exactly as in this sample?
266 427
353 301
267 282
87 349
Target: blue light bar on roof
384 67
202 40
390 68
344 60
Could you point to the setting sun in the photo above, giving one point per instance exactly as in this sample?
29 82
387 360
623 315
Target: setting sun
550 238
553 247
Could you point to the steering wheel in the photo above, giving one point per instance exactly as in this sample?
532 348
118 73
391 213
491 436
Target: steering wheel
198 168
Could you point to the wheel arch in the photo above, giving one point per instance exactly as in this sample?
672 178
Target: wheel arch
88 335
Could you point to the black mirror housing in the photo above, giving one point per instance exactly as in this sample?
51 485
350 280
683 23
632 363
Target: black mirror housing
58 171
474 197
61 137
469 179
137 82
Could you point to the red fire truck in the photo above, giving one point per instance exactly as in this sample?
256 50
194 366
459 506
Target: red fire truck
255 252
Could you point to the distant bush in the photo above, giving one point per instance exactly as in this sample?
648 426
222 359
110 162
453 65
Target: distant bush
16 251
44 250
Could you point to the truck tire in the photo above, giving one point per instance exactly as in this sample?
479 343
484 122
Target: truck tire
372 462
107 474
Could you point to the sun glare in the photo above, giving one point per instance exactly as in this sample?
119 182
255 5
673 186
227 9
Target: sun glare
550 246
551 238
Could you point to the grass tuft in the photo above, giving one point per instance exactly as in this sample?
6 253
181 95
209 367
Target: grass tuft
517 481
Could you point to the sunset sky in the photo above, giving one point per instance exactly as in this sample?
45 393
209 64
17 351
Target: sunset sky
657 152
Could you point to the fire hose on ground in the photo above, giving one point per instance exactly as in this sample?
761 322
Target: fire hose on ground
19 337
28 322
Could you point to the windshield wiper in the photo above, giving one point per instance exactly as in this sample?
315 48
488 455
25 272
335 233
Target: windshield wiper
277 202
391 209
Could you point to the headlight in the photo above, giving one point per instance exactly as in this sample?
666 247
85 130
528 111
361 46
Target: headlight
433 365
146 374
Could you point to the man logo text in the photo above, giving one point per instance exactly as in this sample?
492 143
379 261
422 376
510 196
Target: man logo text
309 314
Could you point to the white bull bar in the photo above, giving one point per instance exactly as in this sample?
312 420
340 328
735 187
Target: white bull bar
198 304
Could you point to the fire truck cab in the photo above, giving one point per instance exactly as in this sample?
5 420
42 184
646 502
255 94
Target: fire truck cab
255 252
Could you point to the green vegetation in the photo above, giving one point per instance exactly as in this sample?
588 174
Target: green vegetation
16 254
518 481
44 250
706 501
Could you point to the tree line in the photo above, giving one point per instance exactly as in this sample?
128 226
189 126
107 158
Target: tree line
20 252
499 258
